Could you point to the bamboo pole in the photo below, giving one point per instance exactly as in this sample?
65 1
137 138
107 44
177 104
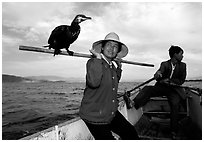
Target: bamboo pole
49 51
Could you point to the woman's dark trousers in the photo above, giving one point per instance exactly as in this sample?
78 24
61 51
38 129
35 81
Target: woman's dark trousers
118 125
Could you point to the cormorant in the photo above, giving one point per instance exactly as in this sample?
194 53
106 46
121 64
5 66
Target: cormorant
64 35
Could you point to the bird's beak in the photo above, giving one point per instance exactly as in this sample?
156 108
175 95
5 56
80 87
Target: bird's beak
88 18
85 18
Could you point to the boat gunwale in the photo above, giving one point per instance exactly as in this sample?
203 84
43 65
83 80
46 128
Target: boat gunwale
50 129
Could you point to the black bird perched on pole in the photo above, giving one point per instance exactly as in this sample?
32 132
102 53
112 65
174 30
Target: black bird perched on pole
64 35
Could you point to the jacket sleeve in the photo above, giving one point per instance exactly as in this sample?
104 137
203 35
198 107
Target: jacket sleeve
94 72
182 76
161 69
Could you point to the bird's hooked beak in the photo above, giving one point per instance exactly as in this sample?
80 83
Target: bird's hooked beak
81 19
87 18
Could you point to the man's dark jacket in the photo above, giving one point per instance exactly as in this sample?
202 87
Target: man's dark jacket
178 77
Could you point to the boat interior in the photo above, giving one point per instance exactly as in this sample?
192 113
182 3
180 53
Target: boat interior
155 121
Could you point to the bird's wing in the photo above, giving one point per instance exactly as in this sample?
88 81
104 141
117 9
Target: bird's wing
74 35
56 33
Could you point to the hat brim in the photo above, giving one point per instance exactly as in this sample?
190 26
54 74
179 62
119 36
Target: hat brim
98 45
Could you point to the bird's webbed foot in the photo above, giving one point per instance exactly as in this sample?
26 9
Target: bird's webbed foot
52 46
56 52
71 53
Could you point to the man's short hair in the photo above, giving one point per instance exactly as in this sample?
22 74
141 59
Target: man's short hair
174 49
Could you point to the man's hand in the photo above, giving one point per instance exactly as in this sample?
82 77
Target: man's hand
157 75
168 82
165 81
98 55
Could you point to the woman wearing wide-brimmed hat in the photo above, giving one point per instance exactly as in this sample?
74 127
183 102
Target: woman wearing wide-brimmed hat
99 106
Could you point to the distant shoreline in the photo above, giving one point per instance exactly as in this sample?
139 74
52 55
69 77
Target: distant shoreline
194 80
13 78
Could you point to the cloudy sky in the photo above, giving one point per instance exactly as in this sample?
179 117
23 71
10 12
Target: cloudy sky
148 29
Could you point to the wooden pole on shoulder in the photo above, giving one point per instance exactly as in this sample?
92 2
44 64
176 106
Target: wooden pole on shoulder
49 51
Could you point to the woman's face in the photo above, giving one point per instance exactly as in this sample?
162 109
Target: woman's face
110 49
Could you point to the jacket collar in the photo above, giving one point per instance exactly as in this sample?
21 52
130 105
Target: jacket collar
110 63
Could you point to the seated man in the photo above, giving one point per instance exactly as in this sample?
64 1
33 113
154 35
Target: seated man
170 74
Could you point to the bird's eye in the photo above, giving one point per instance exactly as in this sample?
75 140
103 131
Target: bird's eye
79 18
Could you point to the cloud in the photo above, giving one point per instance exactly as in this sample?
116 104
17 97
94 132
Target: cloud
148 29
50 66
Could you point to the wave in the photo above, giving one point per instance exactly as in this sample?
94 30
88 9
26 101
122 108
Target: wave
34 120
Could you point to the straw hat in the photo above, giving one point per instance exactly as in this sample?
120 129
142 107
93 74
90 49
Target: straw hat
111 37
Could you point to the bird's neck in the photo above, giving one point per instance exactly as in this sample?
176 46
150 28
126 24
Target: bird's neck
75 25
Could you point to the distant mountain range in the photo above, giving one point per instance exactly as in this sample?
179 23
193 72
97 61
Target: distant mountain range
13 78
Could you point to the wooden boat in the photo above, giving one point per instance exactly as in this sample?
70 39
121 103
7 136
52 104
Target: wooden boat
76 129
148 127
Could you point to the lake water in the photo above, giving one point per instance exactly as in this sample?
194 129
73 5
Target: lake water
31 107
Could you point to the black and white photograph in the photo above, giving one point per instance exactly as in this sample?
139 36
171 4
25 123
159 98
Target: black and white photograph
101 70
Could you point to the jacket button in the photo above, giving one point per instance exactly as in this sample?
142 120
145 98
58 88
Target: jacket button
113 89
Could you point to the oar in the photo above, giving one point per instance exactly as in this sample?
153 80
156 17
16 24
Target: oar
171 84
44 50
188 87
138 86
126 95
